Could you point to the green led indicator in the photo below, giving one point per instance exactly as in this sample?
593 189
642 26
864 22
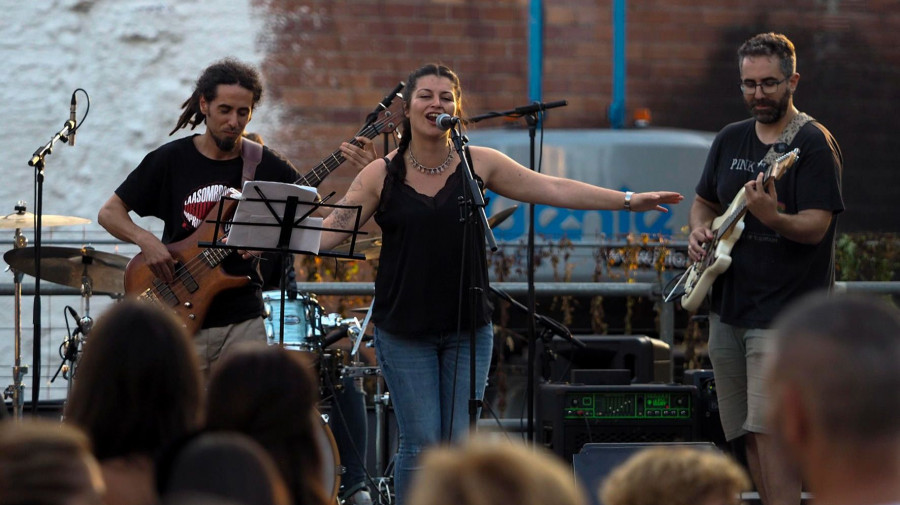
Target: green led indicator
656 401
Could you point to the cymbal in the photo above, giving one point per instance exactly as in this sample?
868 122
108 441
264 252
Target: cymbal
26 220
370 247
501 216
69 266
361 309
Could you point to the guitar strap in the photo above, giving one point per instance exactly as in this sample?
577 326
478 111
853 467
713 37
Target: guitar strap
251 152
787 135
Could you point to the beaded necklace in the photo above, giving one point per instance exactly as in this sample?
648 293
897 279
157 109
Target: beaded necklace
429 170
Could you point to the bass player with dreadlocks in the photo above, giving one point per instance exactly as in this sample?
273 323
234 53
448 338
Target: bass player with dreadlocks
182 180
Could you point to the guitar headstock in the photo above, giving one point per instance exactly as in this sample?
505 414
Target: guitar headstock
784 162
387 120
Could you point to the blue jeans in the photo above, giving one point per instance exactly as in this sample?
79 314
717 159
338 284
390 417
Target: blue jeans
349 426
428 379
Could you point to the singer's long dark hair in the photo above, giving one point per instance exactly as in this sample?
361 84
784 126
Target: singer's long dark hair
439 70
227 71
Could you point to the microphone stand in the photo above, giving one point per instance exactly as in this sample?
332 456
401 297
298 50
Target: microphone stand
471 206
37 161
532 114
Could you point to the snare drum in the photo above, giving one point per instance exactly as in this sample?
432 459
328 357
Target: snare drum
300 319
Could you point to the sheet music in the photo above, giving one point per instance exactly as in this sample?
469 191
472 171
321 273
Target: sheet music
251 212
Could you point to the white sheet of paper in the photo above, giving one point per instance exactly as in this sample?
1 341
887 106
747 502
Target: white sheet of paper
252 213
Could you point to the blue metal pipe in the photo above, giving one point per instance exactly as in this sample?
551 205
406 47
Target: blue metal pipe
535 50
617 105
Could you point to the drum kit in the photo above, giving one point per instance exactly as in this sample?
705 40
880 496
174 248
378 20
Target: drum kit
308 328
91 271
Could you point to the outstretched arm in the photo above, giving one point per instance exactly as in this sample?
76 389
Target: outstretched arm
510 179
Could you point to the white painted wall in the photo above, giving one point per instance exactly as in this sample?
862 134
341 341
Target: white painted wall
138 60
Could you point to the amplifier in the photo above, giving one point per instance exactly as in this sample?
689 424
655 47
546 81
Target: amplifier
574 415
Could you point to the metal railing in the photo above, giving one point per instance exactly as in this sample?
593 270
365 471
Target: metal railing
648 290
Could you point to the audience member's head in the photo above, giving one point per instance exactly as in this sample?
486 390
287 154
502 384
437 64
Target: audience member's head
47 463
486 471
225 465
835 377
138 386
270 393
675 476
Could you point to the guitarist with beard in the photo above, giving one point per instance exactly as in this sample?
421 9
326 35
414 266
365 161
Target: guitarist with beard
785 251
182 180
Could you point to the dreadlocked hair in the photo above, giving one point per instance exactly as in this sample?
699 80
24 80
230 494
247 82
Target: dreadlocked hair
226 71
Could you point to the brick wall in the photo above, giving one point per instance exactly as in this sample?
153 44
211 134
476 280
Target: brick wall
330 61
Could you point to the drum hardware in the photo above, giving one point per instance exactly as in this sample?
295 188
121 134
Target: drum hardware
71 346
92 271
17 258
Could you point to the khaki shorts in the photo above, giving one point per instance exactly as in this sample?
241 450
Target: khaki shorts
212 344
737 356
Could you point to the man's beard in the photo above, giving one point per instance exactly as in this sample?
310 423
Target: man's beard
226 144
775 113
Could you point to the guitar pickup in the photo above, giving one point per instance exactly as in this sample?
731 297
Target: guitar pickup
164 293
187 280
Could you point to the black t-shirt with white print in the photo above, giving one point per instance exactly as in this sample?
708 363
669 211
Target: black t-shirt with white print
179 185
769 271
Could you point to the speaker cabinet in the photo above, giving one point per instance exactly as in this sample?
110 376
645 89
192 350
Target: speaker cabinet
645 359
596 461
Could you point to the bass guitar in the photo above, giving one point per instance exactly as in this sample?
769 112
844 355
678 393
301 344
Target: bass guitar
198 276
727 228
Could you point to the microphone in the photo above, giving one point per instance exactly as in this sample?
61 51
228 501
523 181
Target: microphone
386 101
446 121
72 120
78 326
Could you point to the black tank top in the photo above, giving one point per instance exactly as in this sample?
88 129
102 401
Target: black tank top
417 287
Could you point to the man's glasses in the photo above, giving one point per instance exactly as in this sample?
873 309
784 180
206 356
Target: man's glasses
768 86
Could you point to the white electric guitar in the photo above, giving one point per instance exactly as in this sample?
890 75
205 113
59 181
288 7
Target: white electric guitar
727 228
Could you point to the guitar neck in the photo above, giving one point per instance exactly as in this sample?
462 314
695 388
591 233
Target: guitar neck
315 176
735 215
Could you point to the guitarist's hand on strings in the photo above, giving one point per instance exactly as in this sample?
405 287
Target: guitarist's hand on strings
159 259
762 200
697 238
703 212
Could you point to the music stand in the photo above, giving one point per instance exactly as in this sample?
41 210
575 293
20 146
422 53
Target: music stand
269 220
